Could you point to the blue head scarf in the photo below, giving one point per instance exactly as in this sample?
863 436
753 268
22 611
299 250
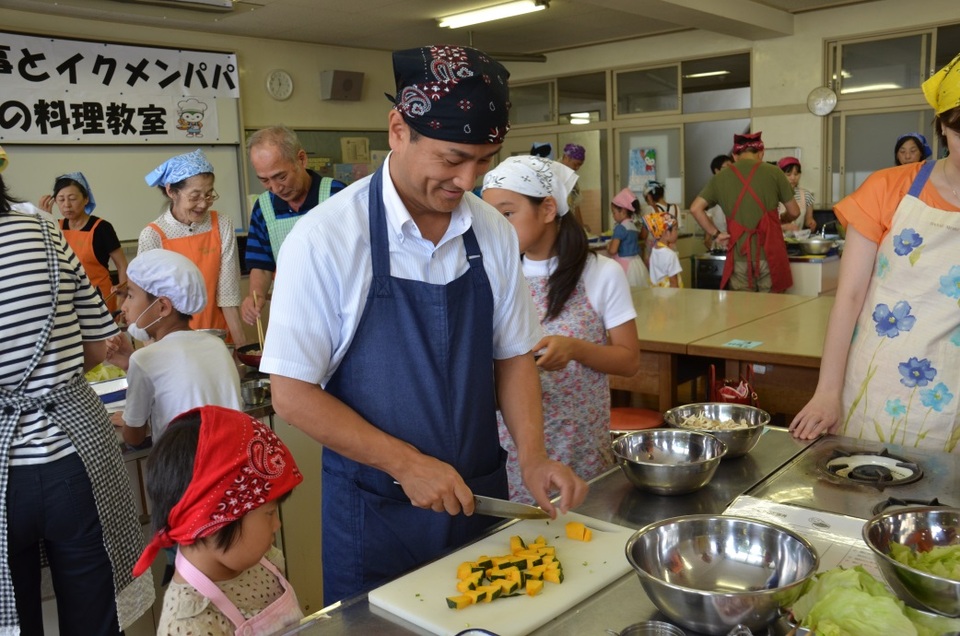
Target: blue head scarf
176 169
82 182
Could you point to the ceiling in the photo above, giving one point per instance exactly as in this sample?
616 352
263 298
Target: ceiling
398 24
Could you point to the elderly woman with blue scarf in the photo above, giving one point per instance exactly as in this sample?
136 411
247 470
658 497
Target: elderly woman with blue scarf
190 227
93 239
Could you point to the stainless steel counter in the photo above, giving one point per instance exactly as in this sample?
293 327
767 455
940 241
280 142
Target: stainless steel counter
612 499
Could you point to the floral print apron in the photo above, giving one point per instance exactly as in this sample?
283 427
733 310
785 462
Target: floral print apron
576 399
903 369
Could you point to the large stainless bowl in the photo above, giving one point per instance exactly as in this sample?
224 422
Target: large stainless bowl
711 573
816 246
668 461
921 528
739 441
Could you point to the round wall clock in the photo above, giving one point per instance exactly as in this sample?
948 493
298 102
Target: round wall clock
279 84
821 101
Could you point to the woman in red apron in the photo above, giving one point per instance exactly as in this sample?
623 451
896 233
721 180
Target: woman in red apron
92 239
216 478
889 369
191 228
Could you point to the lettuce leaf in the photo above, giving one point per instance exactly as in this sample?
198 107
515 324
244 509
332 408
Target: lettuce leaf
943 561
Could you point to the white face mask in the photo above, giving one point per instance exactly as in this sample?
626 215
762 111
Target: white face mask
140 333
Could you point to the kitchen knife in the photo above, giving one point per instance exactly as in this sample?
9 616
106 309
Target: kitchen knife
507 509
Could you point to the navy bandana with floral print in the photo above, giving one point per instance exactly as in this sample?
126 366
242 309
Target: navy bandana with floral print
452 93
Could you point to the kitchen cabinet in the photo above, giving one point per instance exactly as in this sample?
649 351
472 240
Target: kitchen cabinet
814 276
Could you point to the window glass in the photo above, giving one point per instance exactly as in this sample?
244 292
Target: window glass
702 141
648 91
717 83
651 154
532 104
948 45
880 65
582 99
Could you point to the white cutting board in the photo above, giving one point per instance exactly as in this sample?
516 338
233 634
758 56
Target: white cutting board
420 596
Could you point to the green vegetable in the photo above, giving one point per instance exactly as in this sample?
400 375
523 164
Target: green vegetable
842 602
943 561
103 372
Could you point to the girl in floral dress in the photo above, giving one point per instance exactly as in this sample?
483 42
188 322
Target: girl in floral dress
889 370
585 309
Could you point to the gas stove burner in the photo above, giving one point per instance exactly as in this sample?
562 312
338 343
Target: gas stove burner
880 469
894 502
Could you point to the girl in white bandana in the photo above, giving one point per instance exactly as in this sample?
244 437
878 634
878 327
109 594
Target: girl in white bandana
585 309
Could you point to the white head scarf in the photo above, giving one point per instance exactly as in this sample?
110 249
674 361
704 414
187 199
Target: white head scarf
172 275
535 177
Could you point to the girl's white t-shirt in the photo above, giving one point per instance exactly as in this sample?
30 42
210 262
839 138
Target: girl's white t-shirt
664 263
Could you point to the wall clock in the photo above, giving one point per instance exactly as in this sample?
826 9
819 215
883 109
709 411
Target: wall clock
279 84
821 101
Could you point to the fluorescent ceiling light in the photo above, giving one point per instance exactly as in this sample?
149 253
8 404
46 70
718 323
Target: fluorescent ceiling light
490 14
870 87
580 115
707 74
578 121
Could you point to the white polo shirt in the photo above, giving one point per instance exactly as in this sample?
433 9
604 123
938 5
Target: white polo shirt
326 273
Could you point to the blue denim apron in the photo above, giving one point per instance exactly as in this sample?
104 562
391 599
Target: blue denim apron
420 368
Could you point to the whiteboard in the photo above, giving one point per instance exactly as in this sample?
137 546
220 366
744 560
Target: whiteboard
115 174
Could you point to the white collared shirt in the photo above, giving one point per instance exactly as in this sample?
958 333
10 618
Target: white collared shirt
318 302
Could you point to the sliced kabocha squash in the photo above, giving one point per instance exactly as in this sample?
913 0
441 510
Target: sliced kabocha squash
459 602
534 587
508 587
554 575
472 582
578 532
517 544
492 592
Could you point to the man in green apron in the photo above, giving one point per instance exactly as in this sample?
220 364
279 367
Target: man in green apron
292 189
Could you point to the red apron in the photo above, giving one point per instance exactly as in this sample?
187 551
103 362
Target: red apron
81 243
769 236
204 251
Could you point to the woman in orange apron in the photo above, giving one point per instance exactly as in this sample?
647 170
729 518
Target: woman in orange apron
191 228
889 369
92 239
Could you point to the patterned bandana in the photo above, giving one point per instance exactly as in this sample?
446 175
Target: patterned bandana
658 223
575 152
82 180
751 142
240 465
921 141
943 89
176 169
625 199
652 185
453 93
534 177
786 162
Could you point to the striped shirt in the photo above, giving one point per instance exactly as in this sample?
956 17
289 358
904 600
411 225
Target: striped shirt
318 302
24 307
228 285
259 251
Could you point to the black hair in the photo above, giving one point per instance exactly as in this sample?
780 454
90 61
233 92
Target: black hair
66 182
947 119
634 209
656 192
572 251
6 199
541 150
716 164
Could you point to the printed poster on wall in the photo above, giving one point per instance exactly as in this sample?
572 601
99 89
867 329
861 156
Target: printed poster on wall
643 166
59 89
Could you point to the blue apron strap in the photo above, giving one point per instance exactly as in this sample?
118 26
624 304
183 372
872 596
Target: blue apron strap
921 179
379 243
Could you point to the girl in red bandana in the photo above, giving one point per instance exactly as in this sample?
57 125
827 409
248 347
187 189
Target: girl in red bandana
216 478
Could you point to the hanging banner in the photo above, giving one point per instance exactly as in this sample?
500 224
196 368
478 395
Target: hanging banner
56 89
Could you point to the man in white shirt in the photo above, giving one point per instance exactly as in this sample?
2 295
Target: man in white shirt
402 321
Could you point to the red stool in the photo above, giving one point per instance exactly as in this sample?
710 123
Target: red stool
626 419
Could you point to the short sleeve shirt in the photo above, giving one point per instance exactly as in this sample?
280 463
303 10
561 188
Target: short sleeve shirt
871 207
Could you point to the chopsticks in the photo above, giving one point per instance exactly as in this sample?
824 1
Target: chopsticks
119 288
259 322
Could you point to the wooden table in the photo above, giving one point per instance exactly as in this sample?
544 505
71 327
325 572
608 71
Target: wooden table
668 320
787 360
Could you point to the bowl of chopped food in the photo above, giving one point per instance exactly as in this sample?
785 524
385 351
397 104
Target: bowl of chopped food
250 355
918 551
739 426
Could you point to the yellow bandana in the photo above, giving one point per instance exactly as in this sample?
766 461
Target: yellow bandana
658 223
943 89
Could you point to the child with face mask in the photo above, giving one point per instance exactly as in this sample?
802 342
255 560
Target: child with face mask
181 369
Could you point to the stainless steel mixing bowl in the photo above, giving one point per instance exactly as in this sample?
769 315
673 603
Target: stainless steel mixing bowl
739 441
668 461
921 528
816 246
711 573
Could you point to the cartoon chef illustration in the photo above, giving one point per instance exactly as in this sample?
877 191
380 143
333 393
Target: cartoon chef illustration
190 112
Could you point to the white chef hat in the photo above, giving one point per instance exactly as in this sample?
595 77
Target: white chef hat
534 177
164 273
